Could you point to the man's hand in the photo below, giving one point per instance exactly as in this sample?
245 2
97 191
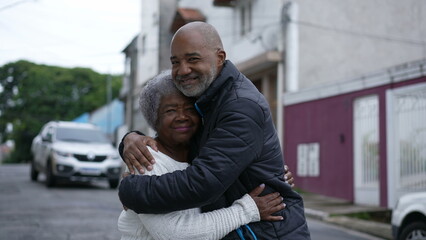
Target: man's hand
288 176
136 154
267 204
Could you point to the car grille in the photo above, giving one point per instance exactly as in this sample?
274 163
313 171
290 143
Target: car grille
84 158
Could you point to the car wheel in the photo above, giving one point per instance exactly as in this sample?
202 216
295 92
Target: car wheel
413 231
33 172
50 177
113 183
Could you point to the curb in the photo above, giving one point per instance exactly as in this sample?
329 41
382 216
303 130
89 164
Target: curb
316 214
377 229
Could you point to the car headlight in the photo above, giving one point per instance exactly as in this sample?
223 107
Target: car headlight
62 154
114 156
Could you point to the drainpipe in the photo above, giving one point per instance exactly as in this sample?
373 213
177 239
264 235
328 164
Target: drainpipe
279 105
288 66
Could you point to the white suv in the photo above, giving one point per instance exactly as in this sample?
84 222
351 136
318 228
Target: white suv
75 152
409 217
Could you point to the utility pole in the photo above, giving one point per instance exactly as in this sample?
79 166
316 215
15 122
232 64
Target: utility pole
292 48
108 98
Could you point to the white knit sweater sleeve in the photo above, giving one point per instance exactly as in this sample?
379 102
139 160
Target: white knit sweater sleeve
191 224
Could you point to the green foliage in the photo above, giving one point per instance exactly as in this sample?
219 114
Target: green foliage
383 216
32 94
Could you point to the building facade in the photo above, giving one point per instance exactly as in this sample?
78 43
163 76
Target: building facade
362 140
292 48
146 56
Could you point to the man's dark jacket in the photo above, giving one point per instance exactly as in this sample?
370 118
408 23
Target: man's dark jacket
238 150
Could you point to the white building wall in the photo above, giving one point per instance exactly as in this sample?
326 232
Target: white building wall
342 40
219 17
264 34
147 60
149 48
265 26
338 40
167 14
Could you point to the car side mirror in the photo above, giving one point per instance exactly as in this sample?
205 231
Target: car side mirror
47 138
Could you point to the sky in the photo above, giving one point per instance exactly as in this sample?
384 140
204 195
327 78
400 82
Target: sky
68 33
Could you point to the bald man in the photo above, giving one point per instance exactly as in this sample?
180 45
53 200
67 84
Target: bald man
236 150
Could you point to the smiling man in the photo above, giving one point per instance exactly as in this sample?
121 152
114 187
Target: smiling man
236 150
194 69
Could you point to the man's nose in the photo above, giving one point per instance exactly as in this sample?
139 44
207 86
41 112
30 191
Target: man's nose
184 69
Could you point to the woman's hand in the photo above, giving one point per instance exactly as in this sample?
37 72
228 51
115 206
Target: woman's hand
268 204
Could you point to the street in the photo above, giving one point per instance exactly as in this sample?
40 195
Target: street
29 210
325 231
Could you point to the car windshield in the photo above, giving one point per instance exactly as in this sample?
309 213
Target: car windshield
80 135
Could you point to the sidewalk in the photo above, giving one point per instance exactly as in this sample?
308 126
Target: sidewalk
330 210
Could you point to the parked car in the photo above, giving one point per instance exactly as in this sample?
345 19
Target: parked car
409 217
74 152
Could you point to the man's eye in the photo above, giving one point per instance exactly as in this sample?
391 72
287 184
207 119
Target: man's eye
193 59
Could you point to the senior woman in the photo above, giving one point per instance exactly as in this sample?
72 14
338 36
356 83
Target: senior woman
173 117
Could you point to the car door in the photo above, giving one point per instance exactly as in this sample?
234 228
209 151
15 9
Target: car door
37 146
45 145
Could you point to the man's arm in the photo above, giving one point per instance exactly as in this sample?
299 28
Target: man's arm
231 147
137 156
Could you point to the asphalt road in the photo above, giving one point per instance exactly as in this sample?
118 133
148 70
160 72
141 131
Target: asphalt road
29 210
325 231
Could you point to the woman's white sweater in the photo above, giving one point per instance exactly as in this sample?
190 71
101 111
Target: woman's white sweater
185 224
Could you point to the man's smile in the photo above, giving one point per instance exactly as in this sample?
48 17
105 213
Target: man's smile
187 80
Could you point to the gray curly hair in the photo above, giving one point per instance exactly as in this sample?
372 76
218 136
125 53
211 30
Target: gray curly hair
151 94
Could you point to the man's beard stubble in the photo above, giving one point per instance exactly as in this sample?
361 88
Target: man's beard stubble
198 90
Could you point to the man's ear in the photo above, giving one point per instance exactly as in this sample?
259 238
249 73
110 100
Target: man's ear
221 57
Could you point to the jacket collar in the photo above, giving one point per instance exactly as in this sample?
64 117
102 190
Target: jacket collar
229 72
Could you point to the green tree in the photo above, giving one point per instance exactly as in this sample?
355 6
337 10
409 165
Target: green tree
33 94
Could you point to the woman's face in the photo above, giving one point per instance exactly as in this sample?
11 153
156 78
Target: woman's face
177 119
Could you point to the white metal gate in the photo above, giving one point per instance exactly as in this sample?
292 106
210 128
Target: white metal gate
406 141
366 150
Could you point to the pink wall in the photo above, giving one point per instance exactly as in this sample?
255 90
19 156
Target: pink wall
329 122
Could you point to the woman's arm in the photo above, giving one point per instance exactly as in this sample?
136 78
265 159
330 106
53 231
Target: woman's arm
191 224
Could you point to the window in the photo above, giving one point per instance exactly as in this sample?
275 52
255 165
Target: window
245 17
80 135
143 49
308 159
